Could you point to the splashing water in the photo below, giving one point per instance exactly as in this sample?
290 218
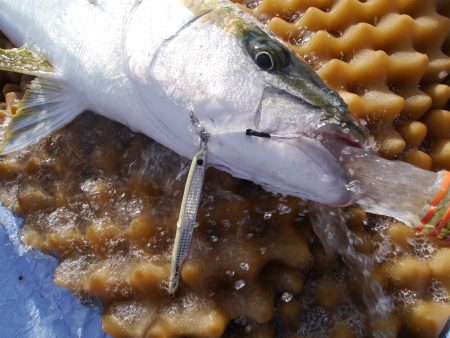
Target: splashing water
330 225
390 188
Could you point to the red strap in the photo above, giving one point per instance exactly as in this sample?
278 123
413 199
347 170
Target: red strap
443 190
445 219
429 215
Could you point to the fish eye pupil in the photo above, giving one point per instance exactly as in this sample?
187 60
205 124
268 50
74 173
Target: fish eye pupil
264 61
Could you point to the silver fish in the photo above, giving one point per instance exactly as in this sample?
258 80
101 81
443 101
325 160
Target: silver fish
180 70
150 64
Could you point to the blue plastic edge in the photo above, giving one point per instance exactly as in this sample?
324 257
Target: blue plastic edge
31 305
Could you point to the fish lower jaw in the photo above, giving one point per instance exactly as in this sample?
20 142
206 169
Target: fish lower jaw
280 175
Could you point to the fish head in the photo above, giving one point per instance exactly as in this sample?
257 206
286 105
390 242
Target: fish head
295 101
225 68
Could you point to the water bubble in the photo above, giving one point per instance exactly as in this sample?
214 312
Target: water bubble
442 75
214 238
438 291
263 18
226 224
283 209
241 320
286 297
405 298
423 247
267 215
326 320
239 284
251 3
88 186
230 273
244 266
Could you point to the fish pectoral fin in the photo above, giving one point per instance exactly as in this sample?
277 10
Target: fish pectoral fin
46 107
24 61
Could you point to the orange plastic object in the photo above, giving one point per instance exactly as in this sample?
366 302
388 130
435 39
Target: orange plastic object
444 187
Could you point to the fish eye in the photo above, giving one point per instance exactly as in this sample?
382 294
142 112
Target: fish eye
268 54
264 60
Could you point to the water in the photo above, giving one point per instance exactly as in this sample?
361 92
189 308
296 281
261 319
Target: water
390 188
254 217
330 225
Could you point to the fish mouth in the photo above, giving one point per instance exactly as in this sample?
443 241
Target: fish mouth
285 115
308 140
300 166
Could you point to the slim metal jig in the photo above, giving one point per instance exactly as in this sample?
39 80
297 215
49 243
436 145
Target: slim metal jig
189 208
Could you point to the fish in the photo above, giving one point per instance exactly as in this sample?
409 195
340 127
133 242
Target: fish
212 83
152 65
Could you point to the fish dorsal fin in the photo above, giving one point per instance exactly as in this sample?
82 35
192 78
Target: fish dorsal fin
46 107
25 61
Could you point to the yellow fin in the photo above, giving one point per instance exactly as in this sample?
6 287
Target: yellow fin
25 61
46 107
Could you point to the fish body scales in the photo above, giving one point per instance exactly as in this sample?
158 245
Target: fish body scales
150 64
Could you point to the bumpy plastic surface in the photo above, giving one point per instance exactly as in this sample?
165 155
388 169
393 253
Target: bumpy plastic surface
32 306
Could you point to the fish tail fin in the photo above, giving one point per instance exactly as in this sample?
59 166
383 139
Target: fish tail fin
46 107
392 188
